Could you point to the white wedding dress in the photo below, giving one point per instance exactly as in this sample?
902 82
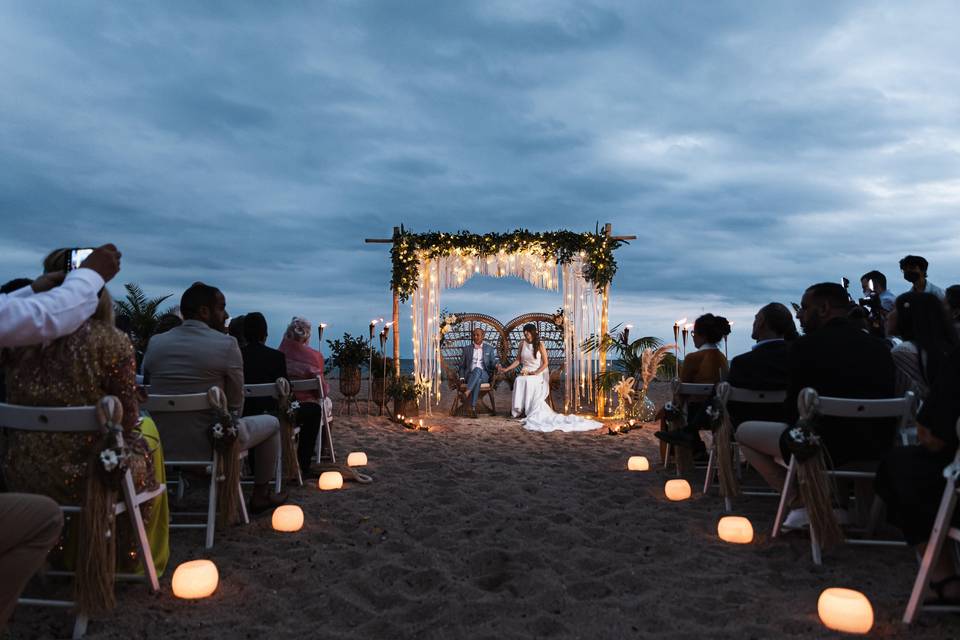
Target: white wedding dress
530 399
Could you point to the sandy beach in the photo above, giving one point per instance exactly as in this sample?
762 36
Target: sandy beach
479 529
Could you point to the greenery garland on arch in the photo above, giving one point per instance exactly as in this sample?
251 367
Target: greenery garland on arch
599 263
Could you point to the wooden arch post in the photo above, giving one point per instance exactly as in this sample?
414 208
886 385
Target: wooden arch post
396 320
604 328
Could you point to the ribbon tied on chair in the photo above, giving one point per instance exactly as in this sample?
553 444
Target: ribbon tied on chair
288 423
228 471
723 436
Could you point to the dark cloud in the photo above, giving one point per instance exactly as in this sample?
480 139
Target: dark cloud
753 148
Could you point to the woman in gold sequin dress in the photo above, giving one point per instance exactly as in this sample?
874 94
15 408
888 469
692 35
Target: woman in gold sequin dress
78 370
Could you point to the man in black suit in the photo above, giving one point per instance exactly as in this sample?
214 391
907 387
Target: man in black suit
839 360
764 367
261 364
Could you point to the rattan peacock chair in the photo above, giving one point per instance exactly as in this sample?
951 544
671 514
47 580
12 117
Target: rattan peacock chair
456 333
551 335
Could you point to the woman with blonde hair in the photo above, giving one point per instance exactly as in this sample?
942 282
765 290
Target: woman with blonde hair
304 362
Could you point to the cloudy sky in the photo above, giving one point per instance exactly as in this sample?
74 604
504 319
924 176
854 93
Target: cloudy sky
753 147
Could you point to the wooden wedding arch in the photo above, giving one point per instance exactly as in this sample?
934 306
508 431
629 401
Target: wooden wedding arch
582 264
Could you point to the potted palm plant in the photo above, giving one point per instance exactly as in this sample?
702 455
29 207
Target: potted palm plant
405 393
382 369
139 315
642 359
349 355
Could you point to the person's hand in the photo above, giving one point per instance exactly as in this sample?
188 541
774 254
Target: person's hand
48 281
105 261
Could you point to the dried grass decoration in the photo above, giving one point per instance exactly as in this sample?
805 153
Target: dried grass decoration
805 445
722 428
96 566
223 436
288 423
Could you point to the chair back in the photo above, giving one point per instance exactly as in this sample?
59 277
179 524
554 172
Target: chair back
264 390
310 384
551 335
454 337
753 396
903 409
49 419
177 403
694 389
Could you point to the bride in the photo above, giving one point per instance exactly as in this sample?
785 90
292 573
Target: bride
532 386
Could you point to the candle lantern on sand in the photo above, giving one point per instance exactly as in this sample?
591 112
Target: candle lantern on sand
195 579
638 463
845 610
330 481
735 529
287 518
677 489
357 459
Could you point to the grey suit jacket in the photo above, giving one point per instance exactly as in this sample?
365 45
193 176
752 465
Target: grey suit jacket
192 358
489 360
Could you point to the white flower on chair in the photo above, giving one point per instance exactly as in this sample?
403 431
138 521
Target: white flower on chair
109 459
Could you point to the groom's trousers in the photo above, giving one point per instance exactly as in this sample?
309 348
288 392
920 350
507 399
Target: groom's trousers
474 379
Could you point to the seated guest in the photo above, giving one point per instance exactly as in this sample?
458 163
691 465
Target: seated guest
707 365
78 370
764 367
304 362
927 336
235 329
914 270
838 360
192 358
261 364
952 301
910 479
875 283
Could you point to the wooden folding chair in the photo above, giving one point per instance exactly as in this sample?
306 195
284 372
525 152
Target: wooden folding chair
163 404
685 390
271 390
326 434
85 420
943 530
746 396
903 409
460 401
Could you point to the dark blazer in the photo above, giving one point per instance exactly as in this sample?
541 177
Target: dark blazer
839 360
763 368
261 364
466 360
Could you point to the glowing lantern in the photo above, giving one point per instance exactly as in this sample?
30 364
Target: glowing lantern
195 579
357 459
638 463
735 529
287 518
845 610
330 480
677 489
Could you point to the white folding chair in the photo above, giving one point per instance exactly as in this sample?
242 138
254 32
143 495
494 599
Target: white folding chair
270 390
84 420
943 530
686 390
746 396
903 409
164 404
326 435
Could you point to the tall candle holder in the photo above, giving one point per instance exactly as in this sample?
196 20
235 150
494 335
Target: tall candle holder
373 324
383 342
676 346
686 331
726 354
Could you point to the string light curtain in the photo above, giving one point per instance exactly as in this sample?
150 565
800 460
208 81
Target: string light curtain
581 309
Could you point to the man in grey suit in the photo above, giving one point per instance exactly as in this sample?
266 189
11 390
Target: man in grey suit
192 358
478 362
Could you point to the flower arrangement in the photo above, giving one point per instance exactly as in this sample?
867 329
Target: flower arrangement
224 432
596 249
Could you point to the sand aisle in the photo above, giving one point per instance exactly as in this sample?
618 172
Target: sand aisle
479 529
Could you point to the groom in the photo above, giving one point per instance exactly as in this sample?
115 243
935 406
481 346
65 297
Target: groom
477 365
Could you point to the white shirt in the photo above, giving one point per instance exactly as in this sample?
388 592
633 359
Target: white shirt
28 318
477 357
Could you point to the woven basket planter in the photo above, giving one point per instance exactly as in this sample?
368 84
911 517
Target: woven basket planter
349 381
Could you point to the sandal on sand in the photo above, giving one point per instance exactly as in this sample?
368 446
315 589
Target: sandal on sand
940 587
